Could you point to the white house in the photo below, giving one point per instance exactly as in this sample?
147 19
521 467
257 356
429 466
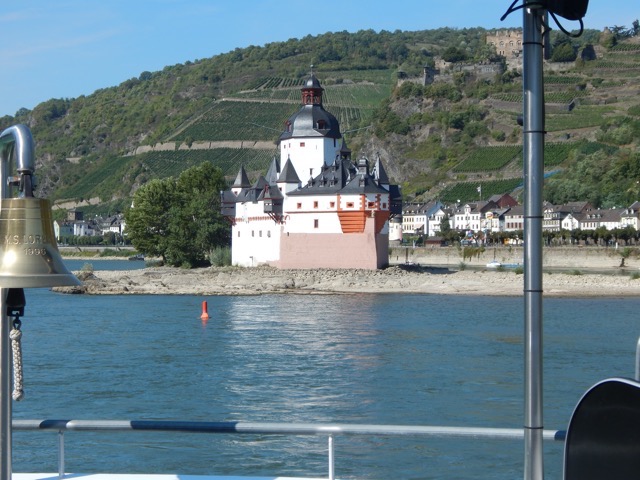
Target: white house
435 220
415 217
472 216
573 221
395 229
629 217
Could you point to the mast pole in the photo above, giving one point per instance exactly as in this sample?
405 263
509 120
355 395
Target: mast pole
533 152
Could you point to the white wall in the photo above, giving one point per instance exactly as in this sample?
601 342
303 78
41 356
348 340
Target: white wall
255 236
308 154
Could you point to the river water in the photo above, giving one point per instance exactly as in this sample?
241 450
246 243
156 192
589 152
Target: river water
362 359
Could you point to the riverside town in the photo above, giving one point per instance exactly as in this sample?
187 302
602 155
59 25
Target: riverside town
499 217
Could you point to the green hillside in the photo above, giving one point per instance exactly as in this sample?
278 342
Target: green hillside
104 179
437 141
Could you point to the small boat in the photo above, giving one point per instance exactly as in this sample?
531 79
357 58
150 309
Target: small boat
138 256
496 264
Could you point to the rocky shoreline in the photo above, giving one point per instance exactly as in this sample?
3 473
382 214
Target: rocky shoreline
395 279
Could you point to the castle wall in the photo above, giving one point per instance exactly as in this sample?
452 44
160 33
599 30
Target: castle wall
255 238
366 250
311 209
332 250
319 213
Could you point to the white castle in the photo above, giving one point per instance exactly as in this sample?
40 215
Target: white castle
319 209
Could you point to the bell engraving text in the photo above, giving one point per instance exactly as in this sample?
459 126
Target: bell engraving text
35 251
25 239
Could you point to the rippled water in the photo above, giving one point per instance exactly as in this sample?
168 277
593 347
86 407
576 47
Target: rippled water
365 359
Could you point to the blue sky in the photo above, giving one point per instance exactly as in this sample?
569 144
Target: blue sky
67 48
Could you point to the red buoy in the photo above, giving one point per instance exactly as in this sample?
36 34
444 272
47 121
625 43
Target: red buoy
205 313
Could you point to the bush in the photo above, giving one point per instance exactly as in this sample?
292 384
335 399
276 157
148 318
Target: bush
409 90
110 252
475 129
563 53
634 110
220 257
498 135
87 267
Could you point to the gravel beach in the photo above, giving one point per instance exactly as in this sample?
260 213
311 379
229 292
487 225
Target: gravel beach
395 279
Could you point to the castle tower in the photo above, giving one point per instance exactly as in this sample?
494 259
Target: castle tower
311 136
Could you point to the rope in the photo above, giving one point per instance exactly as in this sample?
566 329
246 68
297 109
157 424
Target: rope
16 335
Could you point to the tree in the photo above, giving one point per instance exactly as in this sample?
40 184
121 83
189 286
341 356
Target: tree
148 219
197 226
624 254
453 55
179 220
563 53
445 225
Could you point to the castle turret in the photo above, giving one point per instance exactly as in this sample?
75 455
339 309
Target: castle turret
288 179
241 182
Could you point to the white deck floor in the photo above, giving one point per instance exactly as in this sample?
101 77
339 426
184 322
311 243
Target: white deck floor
143 476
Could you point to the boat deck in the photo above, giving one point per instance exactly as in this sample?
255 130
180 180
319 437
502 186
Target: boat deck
143 476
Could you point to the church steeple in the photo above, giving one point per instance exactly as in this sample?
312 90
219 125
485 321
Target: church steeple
312 120
312 91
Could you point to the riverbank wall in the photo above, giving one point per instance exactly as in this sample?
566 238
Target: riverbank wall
572 257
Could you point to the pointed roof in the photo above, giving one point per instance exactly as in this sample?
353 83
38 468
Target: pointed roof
227 196
260 183
344 150
363 181
242 180
274 171
342 176
312 83
270 192
332 178
288 174
251 193
380 173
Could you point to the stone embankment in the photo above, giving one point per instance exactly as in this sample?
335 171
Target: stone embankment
581 258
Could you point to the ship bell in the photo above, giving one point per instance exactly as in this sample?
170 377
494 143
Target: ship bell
29 255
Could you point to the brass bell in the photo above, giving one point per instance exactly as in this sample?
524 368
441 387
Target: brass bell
29 255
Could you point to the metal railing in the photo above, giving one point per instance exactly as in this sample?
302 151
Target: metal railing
637 377
329 430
